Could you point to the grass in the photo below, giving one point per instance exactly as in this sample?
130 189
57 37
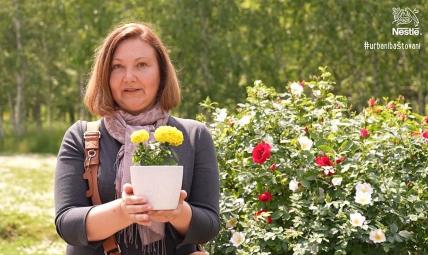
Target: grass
26 206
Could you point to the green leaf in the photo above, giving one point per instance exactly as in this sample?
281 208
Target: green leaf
406 234
393 227
325 148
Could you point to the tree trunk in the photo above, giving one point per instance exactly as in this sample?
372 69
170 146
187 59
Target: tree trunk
49 114
1 123
10 104
81 108
19 76
37 115
71 114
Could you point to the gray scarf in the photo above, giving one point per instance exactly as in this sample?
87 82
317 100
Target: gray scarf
120 126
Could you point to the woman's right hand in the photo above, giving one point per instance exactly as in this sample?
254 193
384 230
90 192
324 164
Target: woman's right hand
134 207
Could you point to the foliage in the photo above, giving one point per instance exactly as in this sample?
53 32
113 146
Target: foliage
324 169
217 46
35 140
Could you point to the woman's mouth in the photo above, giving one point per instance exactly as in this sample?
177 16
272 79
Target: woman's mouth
131 90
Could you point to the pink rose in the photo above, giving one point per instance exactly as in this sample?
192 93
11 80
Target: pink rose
372 102
364 133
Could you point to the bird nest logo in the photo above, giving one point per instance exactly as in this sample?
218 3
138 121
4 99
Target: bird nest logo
405 17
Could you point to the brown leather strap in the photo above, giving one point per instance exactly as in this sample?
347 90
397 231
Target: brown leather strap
92 163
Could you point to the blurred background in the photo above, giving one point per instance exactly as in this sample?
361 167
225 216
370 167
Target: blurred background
218 47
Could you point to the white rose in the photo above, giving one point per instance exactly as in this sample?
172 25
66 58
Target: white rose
336 181
377 236
293 185
363 198
305 143
237 239
221 115
244 120
356 219
364 188
296 89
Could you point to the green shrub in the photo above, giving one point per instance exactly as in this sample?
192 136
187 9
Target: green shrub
34 141
319 163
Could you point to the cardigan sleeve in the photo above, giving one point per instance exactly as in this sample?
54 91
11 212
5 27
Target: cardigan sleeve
205 193
71 204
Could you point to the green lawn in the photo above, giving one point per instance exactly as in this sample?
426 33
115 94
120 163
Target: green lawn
26 206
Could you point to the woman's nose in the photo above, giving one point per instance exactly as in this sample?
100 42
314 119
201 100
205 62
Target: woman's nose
129 76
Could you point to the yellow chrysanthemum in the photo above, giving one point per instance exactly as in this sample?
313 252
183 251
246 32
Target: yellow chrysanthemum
139 136
170 135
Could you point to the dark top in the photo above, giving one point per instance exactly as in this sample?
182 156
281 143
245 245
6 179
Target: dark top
200 180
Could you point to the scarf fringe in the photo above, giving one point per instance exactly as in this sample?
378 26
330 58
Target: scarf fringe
132 237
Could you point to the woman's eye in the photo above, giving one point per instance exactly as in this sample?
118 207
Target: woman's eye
116 66
140 65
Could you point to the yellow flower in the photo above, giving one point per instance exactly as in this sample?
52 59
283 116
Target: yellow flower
139 136
168 134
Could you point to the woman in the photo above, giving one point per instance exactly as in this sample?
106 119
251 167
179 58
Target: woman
133 85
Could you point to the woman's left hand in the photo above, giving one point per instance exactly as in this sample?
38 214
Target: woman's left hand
169 215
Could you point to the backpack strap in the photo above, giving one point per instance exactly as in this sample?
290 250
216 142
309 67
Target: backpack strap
92 137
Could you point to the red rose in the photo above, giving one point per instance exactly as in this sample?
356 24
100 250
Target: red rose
268 218
426 120
323 161
425 134
261 153
372 102
340 159
364 133
273 167
265 197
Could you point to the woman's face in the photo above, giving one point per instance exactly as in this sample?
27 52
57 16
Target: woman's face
134 79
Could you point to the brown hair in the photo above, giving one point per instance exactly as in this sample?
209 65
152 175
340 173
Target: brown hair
98 98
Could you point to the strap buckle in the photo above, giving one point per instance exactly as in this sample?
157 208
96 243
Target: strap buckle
91 133
113 251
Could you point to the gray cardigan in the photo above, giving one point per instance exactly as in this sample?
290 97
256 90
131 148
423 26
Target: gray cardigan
200 180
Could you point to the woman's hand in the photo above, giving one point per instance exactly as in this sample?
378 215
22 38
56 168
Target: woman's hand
169 215
134 208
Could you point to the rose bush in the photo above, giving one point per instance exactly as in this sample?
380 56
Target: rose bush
302 173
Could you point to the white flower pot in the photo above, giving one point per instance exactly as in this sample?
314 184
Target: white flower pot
160 185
